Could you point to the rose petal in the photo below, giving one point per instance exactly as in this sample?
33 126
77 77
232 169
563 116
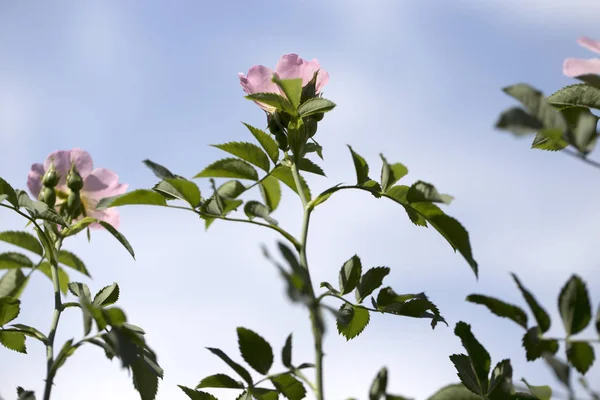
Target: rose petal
589 44
291 66
83 161
259 80
110 215
63 159
34 179
101 183
573 67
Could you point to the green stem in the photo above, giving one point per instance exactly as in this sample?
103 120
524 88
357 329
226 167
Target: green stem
315 316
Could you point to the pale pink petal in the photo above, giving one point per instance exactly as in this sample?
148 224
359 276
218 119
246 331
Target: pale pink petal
102 183
323 76
110 215
589 44
291 66
34 179
83 161
573 67
259 80
62 162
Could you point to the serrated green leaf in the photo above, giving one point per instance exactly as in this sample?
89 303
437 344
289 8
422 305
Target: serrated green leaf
136 197
467 374
266 141
307 165
329 287
241 371
518 121
107 295
315 105
535 346
574 306
297 136
37 209
71 260
182 189
263 394
9 309
196 394
247 152
13 341
13 283
25 394
577 95
349 275
284 174
580 355
8 193
478 355
290 387
255 350
390 174
255 209
561 370
158 170
361 167
12 260
63 278
379 385
541 316
119 236
370 281
78 226
537 105
25 240
273 100
229 168
540 392
31 332
423 191
286 352
501 386
550 140
582 128
219 381
145 379
314 148
271 192
500 308
408 305
456 391
352 320
80 290
292 89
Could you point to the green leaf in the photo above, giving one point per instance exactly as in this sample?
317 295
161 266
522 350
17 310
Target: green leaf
9 309
196 394
307 165
119 236
540 392
255 209
561 370
255 350
284 174
65 352
315 105
13 341
574 306
314 148
408 305
107 295
12 260
581 94
370 281
361 167
598 320
456 391
8 193
518 121
266 141
580 354
25 240
229 168
423 191
71 260
478 355
12 283
501 386
181 189
136 197
63 278
25 394
274 100
78 226
538 106
329 287
535 346
38 210
297 136
390 174
352 320
241 371
289 387
582 124
286 352
550 140
80 290
263 394
247 152
467 374
145 379
31 332
219 381
541 316
158 170
350 274
500 308
292 89
271 192
379 385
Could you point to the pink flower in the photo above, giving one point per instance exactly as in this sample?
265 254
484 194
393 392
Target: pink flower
574 67
289 66
97 183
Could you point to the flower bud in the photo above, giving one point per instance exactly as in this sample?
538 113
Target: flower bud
310 90
51 177
282 140
48 196
74 180
74 204
310 126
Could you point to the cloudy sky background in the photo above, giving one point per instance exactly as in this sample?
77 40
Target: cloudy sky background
420 81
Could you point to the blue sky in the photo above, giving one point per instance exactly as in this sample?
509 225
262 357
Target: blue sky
419 81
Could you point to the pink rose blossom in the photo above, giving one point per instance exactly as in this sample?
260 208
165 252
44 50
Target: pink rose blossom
97 183
289 66
574 67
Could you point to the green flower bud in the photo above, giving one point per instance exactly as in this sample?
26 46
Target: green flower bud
48 196
272 124
74 180
51 177
310 126
74 204
310 90
318 116
282 140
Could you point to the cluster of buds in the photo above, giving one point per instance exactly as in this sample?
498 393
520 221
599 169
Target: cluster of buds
75 184
49 182
73 206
